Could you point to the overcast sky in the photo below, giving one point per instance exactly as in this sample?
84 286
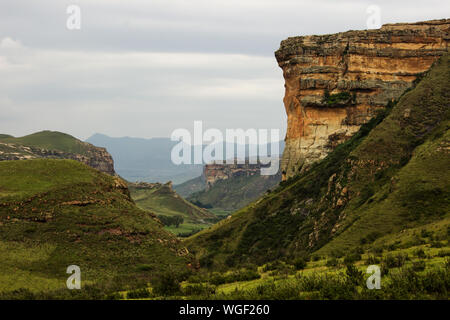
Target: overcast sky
146 67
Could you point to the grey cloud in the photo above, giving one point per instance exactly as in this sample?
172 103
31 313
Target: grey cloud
144 68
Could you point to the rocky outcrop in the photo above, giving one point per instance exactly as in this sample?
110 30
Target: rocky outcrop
335 83
95 157
215 172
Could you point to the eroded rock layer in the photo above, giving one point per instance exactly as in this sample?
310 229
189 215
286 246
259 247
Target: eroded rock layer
215 172
95 157
335 83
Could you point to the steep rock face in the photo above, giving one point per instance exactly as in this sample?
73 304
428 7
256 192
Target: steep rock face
335 83
95 157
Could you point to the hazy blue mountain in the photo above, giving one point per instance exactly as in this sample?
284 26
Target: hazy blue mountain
139 159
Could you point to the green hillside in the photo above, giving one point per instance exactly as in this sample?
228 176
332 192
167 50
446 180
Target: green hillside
50 140
162 200
189 187
56 213
375 191
234 193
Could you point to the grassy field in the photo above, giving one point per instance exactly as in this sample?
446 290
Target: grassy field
417 272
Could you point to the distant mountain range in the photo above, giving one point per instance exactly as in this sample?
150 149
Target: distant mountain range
139 159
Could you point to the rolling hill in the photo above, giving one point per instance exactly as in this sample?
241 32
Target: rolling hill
162 200
55 145
189 187
56 213
234 193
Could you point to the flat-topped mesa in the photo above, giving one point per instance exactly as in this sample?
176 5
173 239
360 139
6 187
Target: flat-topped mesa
335 83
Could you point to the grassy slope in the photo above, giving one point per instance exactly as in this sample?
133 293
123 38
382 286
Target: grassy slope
50 140
164 201
189 187
54 213
235 193
390 176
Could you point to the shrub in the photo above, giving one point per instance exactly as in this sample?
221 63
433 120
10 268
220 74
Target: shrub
352 258
354 276
206 261
443 253
166 285
436 244
418 265
426 234
419 253
233 276
299 263
144 267
273 266
199 290
369 238
337 254
171 220
395 261
138 293
372 260
333 262
384 269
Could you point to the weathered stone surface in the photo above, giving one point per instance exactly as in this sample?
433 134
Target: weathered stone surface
95 157
335 83
215 172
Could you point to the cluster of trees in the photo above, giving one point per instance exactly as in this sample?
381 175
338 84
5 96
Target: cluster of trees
171 220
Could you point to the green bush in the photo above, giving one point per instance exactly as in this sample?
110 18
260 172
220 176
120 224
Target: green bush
395 261
333 262
419 253
273 265
166 285
418 265
443 253
372 260
352 258
299 263
199 289
354 276
217 278
138 293
171 220
144 267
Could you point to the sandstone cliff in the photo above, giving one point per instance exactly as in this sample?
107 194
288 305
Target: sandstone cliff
215 172
335 83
